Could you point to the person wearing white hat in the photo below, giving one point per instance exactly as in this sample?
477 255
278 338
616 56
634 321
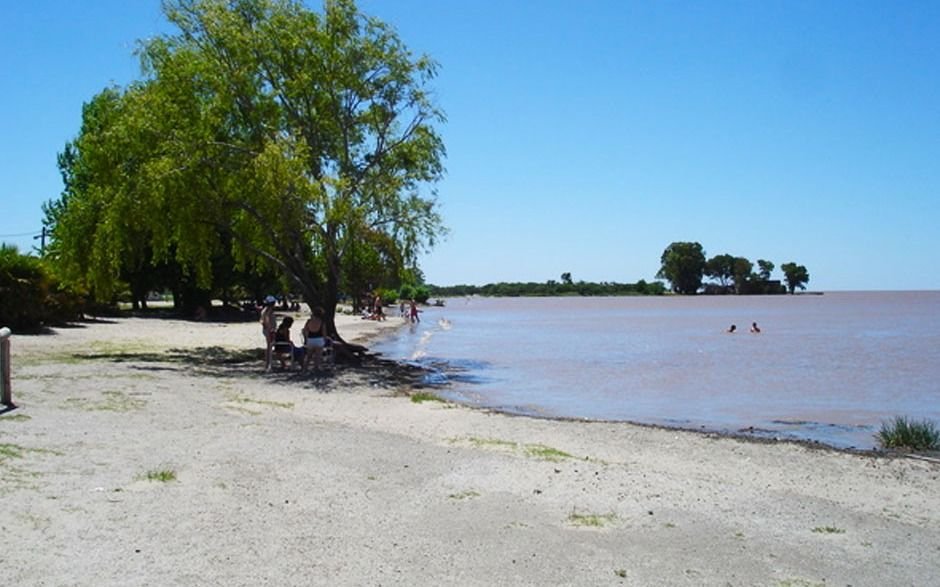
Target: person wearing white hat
268 329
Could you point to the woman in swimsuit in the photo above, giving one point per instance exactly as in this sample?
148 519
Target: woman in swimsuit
315 339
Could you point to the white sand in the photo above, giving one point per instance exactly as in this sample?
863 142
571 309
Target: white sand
341 480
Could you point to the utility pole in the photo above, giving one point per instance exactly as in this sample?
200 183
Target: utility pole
42 243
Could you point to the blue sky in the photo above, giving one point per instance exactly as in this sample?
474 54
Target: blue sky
586 136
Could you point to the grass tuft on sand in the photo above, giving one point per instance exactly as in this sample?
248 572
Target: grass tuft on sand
534 451
160 475
420 397
591 520
908 434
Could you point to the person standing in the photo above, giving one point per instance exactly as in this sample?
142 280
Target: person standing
414 311
268 329
378 311
315 339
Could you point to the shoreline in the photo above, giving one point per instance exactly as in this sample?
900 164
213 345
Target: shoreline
342 479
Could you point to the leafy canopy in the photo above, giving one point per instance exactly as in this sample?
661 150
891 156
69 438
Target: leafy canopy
683 264
302 140
795 275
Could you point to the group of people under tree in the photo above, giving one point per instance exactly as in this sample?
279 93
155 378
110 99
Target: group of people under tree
313 333
374 310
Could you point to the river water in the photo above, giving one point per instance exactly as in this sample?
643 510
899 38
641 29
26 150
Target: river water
829 368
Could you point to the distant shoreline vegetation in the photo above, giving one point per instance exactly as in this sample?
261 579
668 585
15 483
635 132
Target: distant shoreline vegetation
551 288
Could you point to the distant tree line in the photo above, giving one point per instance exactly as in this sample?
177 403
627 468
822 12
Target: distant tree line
685 266
566 287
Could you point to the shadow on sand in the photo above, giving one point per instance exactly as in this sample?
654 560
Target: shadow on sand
225 363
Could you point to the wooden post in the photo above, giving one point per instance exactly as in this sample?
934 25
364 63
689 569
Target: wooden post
6 390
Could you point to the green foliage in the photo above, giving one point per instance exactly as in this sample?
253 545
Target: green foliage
30 296
281 138
406 292
683 264
389 296
796 276
23 288
549 288
766 268
909 434
737 275
721 267
422 293
742 273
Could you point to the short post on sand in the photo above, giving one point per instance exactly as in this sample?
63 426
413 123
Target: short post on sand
6 390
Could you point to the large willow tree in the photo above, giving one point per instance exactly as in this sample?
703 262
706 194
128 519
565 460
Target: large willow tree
293 137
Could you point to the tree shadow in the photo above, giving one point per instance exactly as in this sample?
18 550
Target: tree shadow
217 315
50 329
226 363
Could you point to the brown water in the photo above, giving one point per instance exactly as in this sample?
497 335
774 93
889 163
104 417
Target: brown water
829 368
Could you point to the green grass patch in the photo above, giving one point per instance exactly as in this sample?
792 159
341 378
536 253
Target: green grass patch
32 360
161 475
16 418
14 477
10 451
591 520
828 530
546 453
15 451
535 451
117 349
422 396
492 443
112 401
464 495
799 583
622 573
908 434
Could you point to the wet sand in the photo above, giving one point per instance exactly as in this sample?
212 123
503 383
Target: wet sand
340 479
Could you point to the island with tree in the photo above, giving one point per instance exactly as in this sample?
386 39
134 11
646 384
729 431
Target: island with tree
685 266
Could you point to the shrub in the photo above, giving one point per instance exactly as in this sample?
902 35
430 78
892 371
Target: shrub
30 297
909 434
389 296
406 292
23 288
422 293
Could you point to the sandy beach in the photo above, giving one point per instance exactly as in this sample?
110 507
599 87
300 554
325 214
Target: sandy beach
158 452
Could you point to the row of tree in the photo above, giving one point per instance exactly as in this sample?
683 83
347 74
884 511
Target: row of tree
266 142
685 266
551 288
